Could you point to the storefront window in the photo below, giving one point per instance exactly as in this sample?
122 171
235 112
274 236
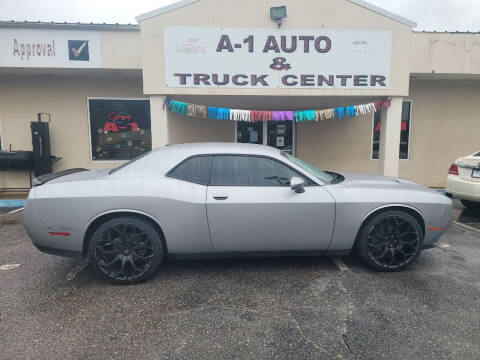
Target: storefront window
404 132
250 133
120 129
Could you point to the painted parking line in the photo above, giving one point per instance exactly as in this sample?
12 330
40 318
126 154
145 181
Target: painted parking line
466 227
340 264
15 211
6 267
442 245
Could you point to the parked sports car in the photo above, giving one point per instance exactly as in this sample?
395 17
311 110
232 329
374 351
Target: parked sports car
463 180
222 199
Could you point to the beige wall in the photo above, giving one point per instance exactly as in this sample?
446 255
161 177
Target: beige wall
65 97
445 126
184 129
302 14
121 49
445 53
338 145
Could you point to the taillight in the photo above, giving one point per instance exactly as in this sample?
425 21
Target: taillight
453 170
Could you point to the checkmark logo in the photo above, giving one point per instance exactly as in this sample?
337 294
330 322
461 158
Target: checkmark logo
78 50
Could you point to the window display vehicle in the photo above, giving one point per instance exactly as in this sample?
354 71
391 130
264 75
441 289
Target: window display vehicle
224 200
463 181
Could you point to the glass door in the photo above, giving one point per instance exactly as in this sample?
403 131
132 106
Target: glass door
278 134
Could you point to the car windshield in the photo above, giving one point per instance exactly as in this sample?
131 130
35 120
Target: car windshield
312 170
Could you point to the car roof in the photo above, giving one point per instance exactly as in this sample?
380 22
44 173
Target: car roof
220 148
163 159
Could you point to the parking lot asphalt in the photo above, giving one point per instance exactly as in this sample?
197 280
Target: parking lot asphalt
278 308
469 217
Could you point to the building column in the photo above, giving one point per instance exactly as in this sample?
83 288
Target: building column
389 147
159 122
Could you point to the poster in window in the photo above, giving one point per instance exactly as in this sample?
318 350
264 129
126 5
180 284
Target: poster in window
120 129
280 141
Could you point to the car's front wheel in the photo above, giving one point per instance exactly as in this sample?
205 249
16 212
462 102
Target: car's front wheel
126 250
390 241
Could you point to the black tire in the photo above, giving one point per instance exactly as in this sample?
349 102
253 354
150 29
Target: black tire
390 241
126 250
470 204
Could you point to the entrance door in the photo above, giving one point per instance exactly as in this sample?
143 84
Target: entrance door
250 207
278 134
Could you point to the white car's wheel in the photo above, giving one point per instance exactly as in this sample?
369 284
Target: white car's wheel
470 204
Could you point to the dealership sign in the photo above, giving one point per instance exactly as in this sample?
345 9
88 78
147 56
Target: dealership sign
49 48
270 58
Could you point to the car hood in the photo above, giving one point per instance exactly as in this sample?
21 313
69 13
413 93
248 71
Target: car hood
375 181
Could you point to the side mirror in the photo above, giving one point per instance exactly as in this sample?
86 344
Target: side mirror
297 184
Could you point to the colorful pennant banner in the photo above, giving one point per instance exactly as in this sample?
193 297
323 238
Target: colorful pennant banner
218 113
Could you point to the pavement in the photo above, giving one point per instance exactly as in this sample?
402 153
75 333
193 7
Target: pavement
469 217
280 308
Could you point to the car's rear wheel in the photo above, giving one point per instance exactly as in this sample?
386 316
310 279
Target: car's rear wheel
390 241
126 250
470 204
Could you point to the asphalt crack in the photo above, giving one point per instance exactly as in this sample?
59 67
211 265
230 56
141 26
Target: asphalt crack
350 308
280 313
310 341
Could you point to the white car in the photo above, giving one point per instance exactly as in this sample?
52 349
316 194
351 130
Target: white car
463 180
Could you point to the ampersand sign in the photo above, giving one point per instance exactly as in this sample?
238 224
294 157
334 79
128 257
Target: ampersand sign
279 63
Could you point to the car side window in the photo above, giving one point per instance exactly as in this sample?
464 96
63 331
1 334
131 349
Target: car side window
242 170
194 169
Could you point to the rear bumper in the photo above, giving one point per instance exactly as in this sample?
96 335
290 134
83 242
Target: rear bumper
58 252
463 189
42 236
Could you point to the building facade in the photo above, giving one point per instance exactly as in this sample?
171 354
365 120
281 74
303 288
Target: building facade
106 88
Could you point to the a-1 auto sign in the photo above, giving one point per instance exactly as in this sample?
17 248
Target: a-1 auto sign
266 58
49 48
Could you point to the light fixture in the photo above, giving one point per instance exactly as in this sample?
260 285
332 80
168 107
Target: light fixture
278 13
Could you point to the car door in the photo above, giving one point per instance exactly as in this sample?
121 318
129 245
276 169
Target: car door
183 211
250 207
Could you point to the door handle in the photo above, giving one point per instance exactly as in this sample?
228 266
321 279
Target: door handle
220 197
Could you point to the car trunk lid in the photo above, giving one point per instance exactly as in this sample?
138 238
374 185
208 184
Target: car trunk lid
40 180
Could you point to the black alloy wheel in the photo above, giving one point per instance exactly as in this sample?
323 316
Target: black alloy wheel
390 241
126 250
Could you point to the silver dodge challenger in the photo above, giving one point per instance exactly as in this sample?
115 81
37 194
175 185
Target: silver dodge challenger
226 200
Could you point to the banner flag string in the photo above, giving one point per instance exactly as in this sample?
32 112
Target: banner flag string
218 113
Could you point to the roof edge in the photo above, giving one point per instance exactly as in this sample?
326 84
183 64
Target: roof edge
69 26
164 9
384 12
361 3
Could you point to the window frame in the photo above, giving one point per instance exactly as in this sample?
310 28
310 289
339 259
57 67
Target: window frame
169 173
311 181
409 134
89 126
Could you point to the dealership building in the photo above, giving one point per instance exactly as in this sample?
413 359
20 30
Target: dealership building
110 92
